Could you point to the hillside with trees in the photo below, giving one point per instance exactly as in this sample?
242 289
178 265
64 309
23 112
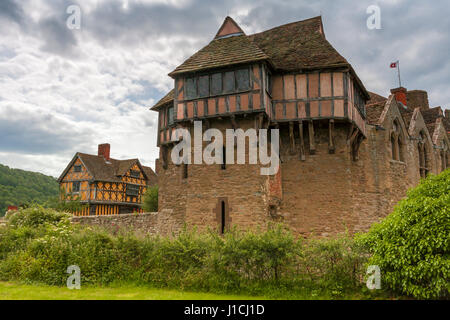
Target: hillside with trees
18 187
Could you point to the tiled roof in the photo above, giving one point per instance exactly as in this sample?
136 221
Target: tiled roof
375 98
102 170
298 45
374 111
406 115
151 175
166 99
431 114
222 52
290 47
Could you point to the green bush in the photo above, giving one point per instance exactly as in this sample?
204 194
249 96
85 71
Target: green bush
411 245
39 244
150 199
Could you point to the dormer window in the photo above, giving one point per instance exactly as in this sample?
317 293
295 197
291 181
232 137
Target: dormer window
134 173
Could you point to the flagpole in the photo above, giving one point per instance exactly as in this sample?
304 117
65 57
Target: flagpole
398 69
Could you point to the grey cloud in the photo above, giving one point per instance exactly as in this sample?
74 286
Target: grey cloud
10 10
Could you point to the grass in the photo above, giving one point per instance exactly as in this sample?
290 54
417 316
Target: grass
16 291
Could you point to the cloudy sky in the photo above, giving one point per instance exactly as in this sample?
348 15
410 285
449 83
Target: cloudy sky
65 90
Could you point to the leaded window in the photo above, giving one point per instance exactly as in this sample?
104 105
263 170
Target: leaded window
132 190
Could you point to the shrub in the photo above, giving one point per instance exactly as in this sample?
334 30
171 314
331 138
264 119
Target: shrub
411 245
150 199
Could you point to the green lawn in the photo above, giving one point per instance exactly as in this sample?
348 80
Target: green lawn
14 291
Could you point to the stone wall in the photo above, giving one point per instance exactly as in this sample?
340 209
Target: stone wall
163 222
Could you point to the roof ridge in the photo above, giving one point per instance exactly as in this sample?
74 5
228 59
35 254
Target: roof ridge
286 24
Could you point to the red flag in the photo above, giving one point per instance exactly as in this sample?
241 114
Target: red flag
394 65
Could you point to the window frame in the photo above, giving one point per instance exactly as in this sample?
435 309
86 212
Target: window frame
132 190
137 174
78 168
194 79
76 183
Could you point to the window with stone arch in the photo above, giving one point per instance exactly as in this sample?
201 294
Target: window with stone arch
424 160
396 140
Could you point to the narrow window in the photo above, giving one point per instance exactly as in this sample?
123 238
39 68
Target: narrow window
191 88
185 171
203 86
222 217
224 158
216 84
228 84
393 147
242 79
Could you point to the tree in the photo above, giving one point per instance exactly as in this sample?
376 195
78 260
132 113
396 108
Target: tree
150 199
412 245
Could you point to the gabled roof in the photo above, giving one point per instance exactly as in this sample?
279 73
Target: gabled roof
229 27
102 170
298 45
430 116
222 52
291 47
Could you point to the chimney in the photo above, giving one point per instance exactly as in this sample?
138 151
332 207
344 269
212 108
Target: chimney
417 99
104 150
447 113
400 95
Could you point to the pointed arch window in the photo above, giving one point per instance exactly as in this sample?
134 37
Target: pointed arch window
396 140
423 155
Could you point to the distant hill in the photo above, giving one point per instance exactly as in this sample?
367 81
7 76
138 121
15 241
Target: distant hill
20 187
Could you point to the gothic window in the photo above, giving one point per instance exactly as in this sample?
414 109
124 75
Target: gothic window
444 157
423 156
396 142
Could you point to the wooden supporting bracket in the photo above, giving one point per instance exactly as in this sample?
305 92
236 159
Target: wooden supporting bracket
302 141
312 146
331 147
291 137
